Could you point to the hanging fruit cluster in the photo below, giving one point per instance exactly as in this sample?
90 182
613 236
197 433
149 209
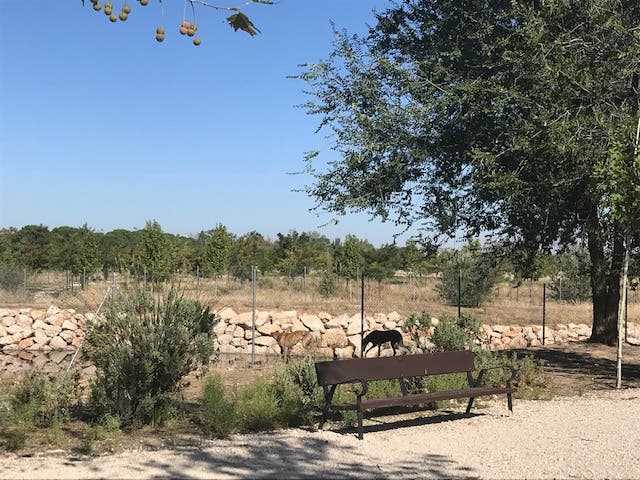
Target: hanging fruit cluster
238 20
186 28
189 29
108 10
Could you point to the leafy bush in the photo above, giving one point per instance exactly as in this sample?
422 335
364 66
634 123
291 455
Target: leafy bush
41 401
35 400
103 435
142 350
217 414
11 277
297 392
530 378
257 406
477 272
328 286
417 325
453 333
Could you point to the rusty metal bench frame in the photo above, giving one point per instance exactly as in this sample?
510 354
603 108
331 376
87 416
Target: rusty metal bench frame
360 371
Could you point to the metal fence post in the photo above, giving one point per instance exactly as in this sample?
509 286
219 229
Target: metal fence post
544 309
460 293
362 316
253 315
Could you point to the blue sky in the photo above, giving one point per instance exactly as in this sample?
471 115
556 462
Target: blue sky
100 124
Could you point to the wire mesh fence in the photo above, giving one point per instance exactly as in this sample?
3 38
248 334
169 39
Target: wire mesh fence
311 292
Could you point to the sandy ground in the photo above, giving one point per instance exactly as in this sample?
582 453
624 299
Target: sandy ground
592 436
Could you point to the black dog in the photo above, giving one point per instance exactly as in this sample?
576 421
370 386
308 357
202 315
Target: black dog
380 337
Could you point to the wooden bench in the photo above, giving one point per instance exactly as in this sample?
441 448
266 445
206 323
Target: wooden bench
330 374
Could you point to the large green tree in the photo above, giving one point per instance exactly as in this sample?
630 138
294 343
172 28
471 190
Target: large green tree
30 244
216 250
499 117
153 252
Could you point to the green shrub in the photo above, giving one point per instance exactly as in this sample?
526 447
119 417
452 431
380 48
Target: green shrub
328 286
105 434
417 325
217 414
42 401
142 349
11 277
454 333
296 389
476 271
14 438
35 401
257 406
530 378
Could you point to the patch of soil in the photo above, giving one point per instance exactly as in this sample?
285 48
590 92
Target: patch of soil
577 367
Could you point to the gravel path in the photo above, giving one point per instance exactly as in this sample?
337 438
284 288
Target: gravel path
593 436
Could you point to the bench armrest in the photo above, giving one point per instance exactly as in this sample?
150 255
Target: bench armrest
478 380
362 389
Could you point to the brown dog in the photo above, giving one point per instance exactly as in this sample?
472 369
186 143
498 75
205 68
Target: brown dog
287 340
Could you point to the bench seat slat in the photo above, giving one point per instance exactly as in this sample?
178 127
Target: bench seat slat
423 398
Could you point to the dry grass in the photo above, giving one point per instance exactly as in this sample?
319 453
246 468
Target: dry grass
507 306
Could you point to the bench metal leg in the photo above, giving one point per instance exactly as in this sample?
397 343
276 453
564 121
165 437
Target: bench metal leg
328 397
360 429
470 404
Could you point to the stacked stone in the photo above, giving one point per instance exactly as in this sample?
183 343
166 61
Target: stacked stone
335 335
26 330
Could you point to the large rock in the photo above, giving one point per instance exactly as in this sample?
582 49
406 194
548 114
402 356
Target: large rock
356 342
227 349
67 335
238 332
395 317
336 337
69 325
266 341
24 320
288 316
269 328
339 321
51 330
355 327
25 343
312 322
224 339
243 319
226 313
346 352
58 343
219 328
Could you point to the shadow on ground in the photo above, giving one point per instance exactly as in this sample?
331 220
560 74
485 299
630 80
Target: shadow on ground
594 364
269 455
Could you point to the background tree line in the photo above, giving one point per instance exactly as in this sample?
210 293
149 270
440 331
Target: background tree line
155 255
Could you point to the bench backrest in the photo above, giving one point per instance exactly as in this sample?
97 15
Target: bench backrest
384 368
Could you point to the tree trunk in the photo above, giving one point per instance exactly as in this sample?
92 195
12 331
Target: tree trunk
605 286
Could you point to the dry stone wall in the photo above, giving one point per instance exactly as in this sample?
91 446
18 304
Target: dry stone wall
26 333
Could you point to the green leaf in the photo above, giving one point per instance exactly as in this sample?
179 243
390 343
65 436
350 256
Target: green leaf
239 21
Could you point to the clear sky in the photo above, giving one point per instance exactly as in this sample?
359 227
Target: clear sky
100 124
